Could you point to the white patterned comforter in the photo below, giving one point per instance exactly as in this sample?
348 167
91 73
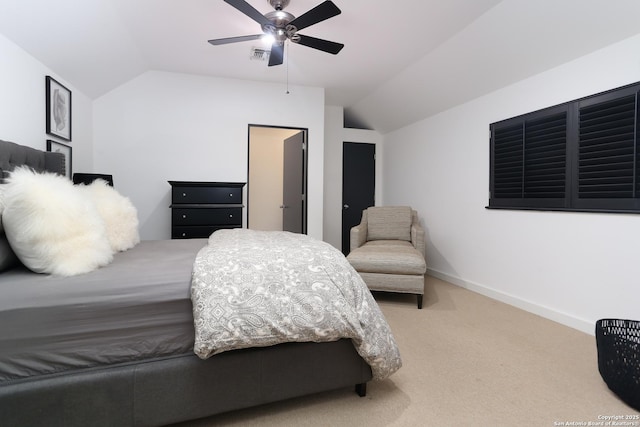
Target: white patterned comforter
258 288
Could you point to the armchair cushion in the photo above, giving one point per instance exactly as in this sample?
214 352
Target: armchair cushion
389 257
389 223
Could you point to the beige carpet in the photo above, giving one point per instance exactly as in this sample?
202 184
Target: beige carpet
468 361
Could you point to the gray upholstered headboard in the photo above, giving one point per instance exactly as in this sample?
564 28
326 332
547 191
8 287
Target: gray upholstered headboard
12 155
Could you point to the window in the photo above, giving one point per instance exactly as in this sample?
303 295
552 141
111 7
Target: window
580 156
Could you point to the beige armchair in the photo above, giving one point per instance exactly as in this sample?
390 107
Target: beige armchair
387 249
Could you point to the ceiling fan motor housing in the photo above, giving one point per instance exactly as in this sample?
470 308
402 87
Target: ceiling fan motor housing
279 28
279 18
278 4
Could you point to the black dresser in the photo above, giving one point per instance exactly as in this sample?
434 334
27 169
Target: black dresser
200 208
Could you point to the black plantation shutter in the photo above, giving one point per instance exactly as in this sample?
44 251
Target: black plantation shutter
607 149
581 156
546 157
508 145
529 160
607 155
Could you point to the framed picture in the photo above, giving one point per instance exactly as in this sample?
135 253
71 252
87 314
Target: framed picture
57 147
58 109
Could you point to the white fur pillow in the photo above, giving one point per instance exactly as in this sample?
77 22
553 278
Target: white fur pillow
118 213
51 227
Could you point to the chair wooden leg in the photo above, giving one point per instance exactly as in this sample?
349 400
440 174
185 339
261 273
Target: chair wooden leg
419 301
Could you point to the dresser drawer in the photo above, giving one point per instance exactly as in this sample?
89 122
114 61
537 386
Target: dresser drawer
206 216
196 231
186 194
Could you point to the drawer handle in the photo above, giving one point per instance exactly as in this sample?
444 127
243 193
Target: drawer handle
184 216
230 194
184 194
230 215
184 234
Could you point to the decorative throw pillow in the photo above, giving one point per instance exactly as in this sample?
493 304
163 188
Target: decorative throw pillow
389 223
51 227
118 213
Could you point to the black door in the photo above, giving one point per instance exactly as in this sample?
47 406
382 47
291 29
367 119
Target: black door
293 188
358 185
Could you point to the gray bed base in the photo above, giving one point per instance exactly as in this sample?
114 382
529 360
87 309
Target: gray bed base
160 392
170 390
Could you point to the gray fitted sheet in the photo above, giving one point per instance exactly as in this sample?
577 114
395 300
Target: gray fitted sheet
138 307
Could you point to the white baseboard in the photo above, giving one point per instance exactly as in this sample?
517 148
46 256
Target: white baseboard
563 318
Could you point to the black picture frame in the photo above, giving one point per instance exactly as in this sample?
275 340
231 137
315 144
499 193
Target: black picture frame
58 147
58 101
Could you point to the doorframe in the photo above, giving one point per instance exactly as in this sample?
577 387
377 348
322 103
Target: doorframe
305 169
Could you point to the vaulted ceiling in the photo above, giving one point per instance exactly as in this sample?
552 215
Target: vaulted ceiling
403 60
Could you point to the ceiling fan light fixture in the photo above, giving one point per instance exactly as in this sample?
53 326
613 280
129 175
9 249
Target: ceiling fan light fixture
267 39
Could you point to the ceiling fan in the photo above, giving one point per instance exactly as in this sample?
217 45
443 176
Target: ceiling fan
283 26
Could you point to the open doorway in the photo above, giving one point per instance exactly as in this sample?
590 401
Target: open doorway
277 179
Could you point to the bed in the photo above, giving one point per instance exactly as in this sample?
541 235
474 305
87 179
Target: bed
116 346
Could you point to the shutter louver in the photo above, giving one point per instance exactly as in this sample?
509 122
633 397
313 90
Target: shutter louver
606 162
545 157
508 144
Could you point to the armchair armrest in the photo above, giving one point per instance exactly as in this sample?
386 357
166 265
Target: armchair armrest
417 238
357 236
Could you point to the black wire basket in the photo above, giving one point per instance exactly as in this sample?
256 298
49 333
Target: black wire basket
618 344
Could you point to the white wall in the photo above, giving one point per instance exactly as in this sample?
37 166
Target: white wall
571 267
165 126
336 134
22 105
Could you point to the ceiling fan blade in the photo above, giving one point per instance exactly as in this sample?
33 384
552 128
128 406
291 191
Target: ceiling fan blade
320 44
277 54
249 10
228 40
324 10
